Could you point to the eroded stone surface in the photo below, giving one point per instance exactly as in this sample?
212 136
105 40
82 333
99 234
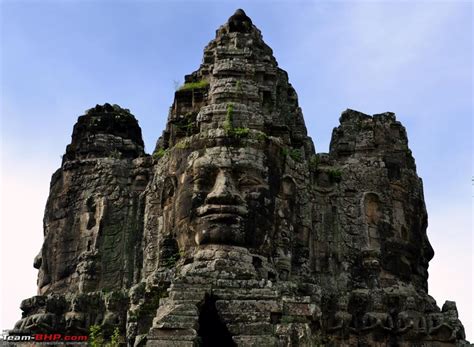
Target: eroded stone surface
235 232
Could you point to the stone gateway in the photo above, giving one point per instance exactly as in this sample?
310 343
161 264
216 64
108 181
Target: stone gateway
235 232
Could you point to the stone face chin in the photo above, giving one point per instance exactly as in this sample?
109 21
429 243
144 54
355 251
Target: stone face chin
234 231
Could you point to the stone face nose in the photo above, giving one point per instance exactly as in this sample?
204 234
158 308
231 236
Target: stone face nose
224 191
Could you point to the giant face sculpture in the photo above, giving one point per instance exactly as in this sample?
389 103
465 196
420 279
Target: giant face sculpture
223 196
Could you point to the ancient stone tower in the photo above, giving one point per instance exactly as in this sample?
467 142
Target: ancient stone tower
235 232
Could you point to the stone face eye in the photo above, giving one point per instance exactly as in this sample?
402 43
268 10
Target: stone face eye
204 179
248 181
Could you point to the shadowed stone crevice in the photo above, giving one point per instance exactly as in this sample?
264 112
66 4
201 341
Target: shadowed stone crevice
212 330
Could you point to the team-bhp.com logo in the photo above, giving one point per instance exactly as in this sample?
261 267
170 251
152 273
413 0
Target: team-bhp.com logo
14 337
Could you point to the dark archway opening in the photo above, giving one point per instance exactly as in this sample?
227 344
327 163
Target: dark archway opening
212 329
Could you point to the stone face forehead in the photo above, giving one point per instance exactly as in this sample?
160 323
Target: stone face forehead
228 157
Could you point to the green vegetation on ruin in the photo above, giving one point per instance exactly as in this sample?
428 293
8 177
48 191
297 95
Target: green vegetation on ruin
116 154
97 339
194 85
238 86
171 260
261 136
229 124
187 123
314 163
240 132
181 145
159 153
293 153
335 175
229 119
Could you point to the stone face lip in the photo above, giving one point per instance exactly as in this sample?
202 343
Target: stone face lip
235 231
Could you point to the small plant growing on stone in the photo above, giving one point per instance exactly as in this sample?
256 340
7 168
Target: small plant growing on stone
314 163
261 136
293 153
159 153
115 338
287 319
116 154
122 111
229 119
240 132
181 145
96 339
335 175
296 154
229 124
238 86
171 260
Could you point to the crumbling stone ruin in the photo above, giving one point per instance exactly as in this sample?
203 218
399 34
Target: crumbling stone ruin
235 232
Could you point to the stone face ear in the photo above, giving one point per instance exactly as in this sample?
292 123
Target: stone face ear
288 186
168 190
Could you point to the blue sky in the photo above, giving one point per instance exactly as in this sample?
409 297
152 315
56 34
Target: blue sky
59 58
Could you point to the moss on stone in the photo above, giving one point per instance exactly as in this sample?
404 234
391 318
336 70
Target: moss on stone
314 163
293 153
159 153
335 175
194 85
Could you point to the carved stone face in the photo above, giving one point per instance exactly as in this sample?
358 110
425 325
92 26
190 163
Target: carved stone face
223 197
410 303
343 303
377 304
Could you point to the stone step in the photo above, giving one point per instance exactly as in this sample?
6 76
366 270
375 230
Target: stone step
172 334
259 328
191 294
230 306
245 294
185 309
182 302
240 283
176 322
243 317
168 343
193 286
255 341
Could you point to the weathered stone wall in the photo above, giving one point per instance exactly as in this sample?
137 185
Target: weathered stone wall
94 213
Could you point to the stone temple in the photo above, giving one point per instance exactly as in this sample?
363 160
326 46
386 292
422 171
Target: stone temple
235 232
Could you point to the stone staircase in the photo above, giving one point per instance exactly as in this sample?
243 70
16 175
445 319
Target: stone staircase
252 313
